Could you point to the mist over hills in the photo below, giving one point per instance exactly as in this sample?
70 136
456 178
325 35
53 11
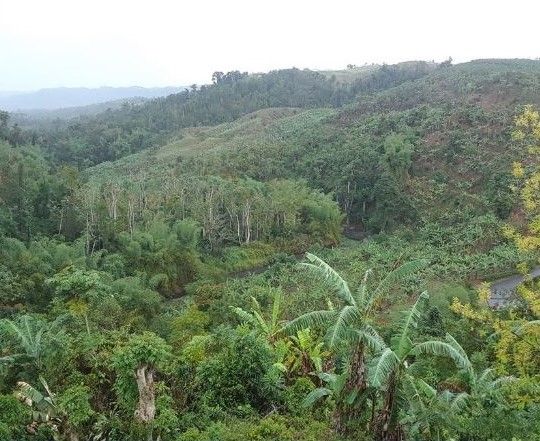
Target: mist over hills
65 97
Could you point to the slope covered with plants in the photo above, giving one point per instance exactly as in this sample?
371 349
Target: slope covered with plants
176 270
428 149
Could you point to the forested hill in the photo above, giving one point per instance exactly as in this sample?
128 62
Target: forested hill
432 147
393 145
135 127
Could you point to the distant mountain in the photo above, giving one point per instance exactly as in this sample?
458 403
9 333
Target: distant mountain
46 118
64 97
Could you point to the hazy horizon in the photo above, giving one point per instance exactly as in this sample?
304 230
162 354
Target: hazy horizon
128 86
64 43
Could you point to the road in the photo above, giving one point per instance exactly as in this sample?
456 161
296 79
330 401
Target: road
503 290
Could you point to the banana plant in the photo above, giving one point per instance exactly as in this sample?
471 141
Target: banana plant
431 414
307 353
270 327
349 327
392 372
334 390
42 405
31 336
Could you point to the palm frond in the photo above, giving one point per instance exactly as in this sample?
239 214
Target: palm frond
311 319
398 275
315 395
280 367
442 349
43 406
244 315
501 381
255 305
362 294
371 338
11 328
411 318
486 375
384 366
459 402
329 378
413 394
330 277
276 308
453 342
428 390
342 324
338 382
262 323
46 387
28 393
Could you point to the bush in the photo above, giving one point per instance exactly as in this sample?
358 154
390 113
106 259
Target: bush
273 428
13 418
238 375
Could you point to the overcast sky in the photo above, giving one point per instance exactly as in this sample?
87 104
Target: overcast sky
51 43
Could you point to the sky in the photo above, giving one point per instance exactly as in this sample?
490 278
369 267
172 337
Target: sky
93 43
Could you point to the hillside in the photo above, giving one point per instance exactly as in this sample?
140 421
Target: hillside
439 144
289 256
132 128
44 120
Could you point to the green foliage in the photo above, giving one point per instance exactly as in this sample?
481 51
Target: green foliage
72 282
74 402
14 416
273 428
31 340
142 350
146 348
239 374
121 282
190 323
268 328
167 420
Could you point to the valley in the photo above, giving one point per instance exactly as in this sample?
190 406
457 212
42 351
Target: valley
292 255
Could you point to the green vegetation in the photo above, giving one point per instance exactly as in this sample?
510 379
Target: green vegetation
176 269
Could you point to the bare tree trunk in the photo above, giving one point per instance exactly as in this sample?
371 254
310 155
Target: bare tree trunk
111 199
247 222
87 234
146 410
131 215
387 429
355 382
61 220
